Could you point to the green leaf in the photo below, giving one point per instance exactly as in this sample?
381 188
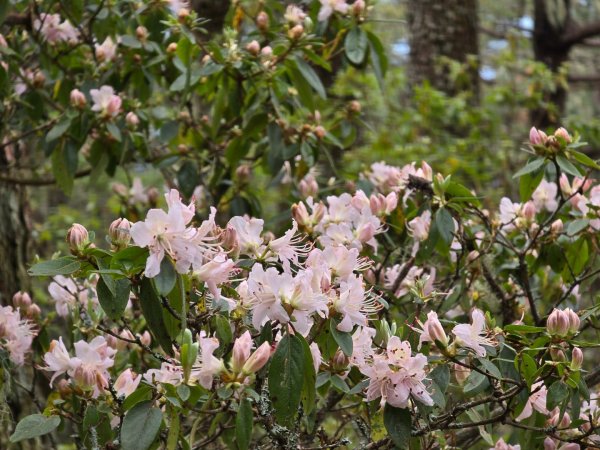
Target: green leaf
243 425
398 423
476 383
558 392
166 278
61 169
114 131
58 130
140 426
458 192
584 159
113 304
60 266
355 45
311 76
286 376
527 367
529 183
531 166
489 367
567 166
441 376
152 310
378 59
523 329
33 426
577 256
309 392
174 427
344 340
445 225
188 178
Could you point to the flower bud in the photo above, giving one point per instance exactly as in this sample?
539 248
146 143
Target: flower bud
258 359
183 14
461 373
39 79
146 338
308 186
262 21
300 214
22 300
358 8
472 256
528 211
243 173
63 387
241 351
320 132
435 330
559 421
141 33
77 99
153 196
296 32
537 137
172 47
557 354
558 323
574 321
557 226
266 51
33 311
253 48
340 361
355 106
132 120
77 238
564 134
118 233
576 358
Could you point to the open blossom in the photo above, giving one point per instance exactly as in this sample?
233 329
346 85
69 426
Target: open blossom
501 445
88 368
420 225
328 7
66 294
289 247
106 101
207 365
55 31
214 272
248 233
545 196
107 51
16 334
473 336
294 14
126 383
395 375
536 400
354 303
168 373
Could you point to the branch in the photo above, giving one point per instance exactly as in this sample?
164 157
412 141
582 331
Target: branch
581 33
39 181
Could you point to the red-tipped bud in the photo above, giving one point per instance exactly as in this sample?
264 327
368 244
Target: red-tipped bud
537 137
77 238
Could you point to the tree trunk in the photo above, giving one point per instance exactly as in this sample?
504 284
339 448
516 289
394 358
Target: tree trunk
440 30
14 238
549 47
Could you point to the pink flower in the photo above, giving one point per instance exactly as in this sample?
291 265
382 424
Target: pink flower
545 196
107 51
354 303
57 359
501 445
215 272
536 400
294 14
242 348
106 101
432 330
16 334
126 383
419 226
289 247
328 7
537 137
553 444
207 365
258 359
473 336
248 232
55 31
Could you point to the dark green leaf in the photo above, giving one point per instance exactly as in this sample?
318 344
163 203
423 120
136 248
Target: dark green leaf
113 304
567 166
166 278
398 423
344 340
58 130
378 59
309 392
445 225
60 266
355 45
286 376
140 426
152 310
311 76
33 426
584 159
558 392
529 183
243 425
531 166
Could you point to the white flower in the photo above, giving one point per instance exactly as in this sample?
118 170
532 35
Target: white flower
473 336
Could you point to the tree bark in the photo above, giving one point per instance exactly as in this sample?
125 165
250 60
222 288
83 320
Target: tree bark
14 239
439 30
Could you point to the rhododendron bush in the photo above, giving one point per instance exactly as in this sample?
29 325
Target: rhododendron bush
403 310
400 314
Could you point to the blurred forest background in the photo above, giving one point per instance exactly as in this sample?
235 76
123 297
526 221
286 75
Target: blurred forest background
466 80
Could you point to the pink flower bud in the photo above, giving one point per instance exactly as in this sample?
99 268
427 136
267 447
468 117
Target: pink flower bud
146 338
253 48
558 323
557 421
266 51
537 137
320 132
557 226
243 173
557 354
132 120
22 300
576 359
141 33
296 32
358 7
126 383
241 351
262 21
472 256
300 214
308 186
78 99
564 134
172 47
33 311
77 238
340 361
574 320
435 330
528 211
119 232
258 359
